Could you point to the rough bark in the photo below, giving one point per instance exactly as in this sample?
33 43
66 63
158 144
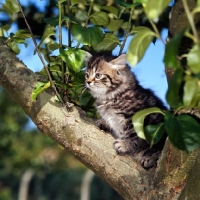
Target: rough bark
78 134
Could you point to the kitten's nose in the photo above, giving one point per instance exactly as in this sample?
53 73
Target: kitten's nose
88 82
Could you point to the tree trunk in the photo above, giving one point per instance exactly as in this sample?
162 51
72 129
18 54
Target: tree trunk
177 175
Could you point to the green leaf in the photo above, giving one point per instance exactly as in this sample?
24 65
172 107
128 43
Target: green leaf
86 100
191 96
87 36
49 31
153 8
193 59
53 21
139 45
13 45
5 27
183 131
22 34
138 120
11 7
74 58
173 94
114 24
171 51
74 2
107 44
126 5
40 87
154 133
111 9
99 18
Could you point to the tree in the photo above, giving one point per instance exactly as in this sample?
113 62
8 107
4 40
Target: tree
177 172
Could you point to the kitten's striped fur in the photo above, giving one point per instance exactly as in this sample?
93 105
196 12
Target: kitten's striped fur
118 97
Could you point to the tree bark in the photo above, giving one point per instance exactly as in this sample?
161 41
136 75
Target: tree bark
78 134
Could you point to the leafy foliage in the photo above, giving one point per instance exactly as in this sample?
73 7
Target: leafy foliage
95 27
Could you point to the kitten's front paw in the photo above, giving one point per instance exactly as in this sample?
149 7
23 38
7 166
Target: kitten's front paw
122 146
149 161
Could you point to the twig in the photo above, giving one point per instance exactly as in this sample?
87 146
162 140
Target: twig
40 56
156 31
60 39
190 20
69 24
127 33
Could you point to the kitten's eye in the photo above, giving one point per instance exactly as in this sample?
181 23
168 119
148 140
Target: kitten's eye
86 75
98 75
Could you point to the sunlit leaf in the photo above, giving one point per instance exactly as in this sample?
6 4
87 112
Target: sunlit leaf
13 45
153 8
191 96
87 36
74 58
139 44
11 6
183 131
110 9
114 24
138 120
39 88
23 34
49 31
99 18
193 59
107 44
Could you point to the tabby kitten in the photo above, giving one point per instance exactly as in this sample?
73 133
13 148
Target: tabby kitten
118 97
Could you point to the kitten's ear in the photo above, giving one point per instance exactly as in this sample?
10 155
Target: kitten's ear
121 60
88 57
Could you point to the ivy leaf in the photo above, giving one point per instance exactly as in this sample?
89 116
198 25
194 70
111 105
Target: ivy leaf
11 7
138 120
171 52
154 133
87 36
173 94
107 44
183 131
139 44
74 58
40 87
193 59
99 18
153 8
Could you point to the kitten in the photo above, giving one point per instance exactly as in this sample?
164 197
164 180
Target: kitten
118 97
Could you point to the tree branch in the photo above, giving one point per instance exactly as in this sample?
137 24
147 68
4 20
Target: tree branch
78 134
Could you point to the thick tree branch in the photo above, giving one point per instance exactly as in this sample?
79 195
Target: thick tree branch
78 134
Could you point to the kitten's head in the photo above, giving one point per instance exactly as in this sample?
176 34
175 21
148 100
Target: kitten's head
105 75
